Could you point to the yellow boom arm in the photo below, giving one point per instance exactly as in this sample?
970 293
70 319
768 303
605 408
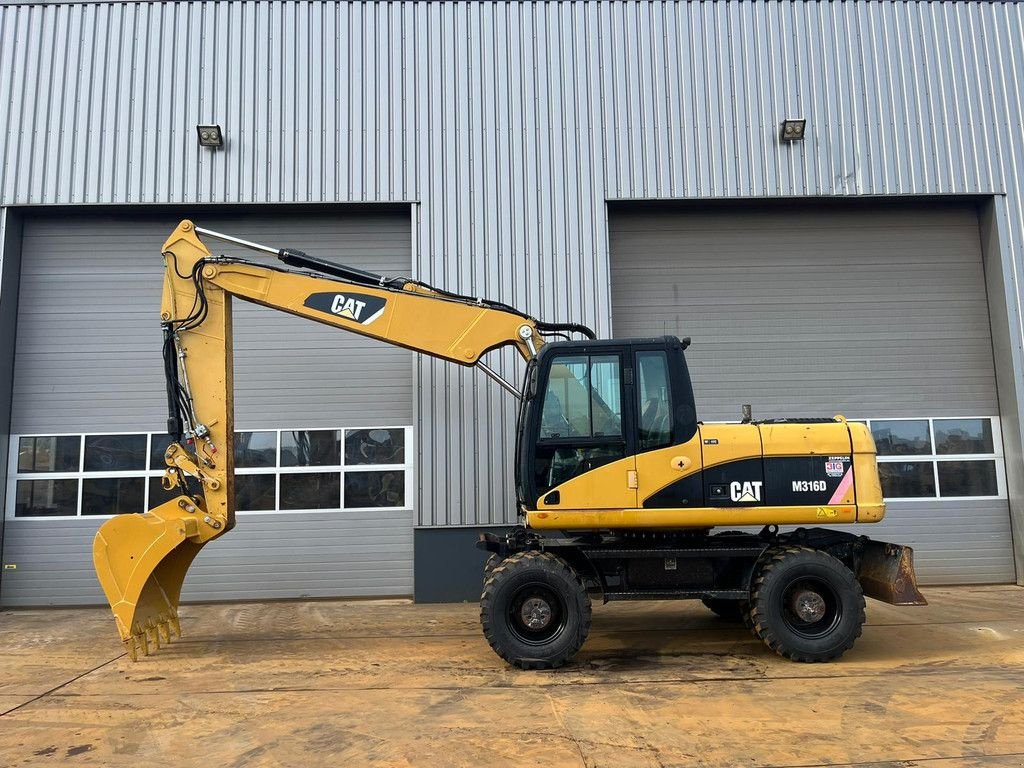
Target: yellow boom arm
141 559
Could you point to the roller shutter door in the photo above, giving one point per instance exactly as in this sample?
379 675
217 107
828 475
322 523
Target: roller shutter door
88 361
872 312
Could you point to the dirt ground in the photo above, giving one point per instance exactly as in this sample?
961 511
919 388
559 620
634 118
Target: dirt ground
391 683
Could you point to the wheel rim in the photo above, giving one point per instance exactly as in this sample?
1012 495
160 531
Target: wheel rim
536 614
811 608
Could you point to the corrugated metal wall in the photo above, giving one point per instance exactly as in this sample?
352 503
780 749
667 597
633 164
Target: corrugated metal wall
511 124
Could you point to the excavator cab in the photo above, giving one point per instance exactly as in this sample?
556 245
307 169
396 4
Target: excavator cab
589 404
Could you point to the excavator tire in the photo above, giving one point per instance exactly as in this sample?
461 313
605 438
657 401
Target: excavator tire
535 611
727 610
491 564
806 605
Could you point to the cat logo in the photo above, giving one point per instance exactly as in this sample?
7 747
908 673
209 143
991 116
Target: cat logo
746 492
347 307
360 307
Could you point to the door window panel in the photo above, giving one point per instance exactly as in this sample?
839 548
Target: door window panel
255 449
902 438
256 493
46 498
967 478
311 490
907 479
311 448
963 436
653 400
113 495
375 489
49 454
374 446
114 453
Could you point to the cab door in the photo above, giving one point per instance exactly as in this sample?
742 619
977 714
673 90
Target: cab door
582 454
669 458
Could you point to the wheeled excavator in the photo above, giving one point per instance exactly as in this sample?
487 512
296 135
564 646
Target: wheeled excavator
620 489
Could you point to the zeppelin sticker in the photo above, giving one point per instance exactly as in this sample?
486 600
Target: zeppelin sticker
835 466
361 307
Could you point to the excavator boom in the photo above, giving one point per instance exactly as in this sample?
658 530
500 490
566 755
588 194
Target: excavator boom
141 560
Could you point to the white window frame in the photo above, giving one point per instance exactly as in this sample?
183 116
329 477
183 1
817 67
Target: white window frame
13 475
935 458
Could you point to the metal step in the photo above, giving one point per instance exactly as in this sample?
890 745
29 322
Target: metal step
677 594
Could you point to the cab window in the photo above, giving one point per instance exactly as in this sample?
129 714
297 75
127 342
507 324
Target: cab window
654 402
583 398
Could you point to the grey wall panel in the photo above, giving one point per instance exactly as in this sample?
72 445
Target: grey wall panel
511 123
353 554
870 311
1008 356
88 351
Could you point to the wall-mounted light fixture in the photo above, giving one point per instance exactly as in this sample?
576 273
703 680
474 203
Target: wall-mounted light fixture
793 129
210 136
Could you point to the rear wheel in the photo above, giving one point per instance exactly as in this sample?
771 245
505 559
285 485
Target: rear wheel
806 605
535 611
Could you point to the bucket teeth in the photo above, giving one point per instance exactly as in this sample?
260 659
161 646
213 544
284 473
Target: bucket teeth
145 637
133 649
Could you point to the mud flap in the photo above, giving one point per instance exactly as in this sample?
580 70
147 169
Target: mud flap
887 573
141 562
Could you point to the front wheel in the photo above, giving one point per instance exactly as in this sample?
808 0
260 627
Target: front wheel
535 611
806 605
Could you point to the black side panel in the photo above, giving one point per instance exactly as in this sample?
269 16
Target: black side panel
804 480
735 484
787 481
685 492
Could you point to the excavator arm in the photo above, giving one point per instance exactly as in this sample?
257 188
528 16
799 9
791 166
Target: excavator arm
141 559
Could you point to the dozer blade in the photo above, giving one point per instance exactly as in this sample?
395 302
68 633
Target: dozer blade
141 561
887 574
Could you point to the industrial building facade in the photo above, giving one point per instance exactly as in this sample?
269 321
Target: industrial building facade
619 164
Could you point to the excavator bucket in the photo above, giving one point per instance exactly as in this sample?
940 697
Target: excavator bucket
887 574
141 562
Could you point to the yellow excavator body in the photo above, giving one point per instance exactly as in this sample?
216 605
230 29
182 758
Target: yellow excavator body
600 452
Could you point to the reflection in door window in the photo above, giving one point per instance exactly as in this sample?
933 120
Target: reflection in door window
582 398
653 399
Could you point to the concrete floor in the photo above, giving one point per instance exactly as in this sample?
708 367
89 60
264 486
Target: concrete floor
391 683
